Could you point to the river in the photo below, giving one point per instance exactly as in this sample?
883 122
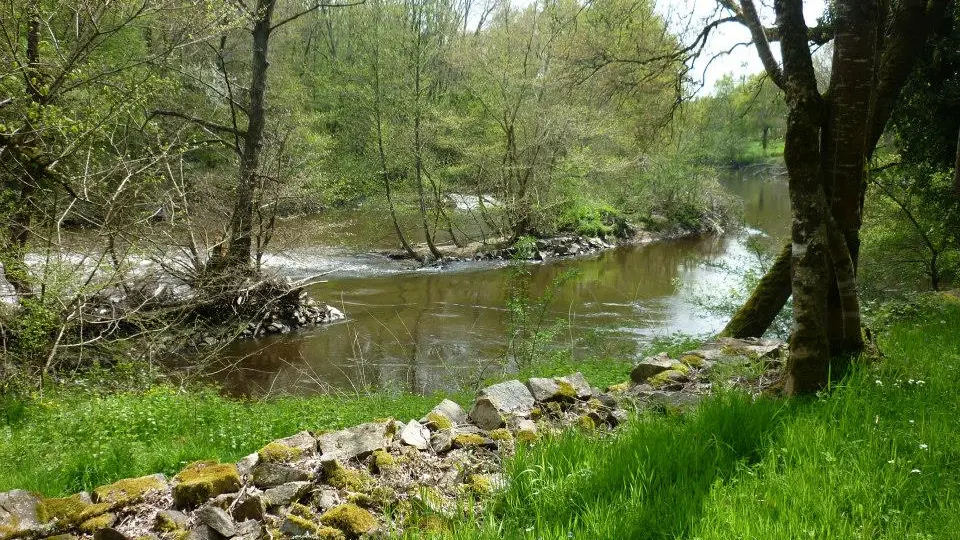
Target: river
427 330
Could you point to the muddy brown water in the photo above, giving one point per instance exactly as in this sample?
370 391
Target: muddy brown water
427 330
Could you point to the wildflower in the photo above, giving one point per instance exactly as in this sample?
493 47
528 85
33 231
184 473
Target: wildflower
911 421
914 471
890 461
923 446
879 382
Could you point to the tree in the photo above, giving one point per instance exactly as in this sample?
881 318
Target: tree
830 138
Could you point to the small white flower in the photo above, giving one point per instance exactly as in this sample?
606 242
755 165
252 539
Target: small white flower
920 383
879 382
915 471
923 446
911 421
890 461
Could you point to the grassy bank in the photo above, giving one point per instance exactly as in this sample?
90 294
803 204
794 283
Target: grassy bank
875 458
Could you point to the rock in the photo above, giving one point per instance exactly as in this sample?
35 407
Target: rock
446 409
617 417
303 441
651 366
245 465
203 480
18 512
726 349
250 506
248 530
203 532
560 388
218 520
170 521
296 526
355 442
494 403
442 440
351 519
415 435
327 499
130 490
268 475
666 400
286 494
109 533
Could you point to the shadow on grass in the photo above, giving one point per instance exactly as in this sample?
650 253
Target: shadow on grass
647 481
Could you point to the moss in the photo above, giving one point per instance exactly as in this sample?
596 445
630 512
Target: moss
362 499
554 407
202 480
618 388
302 523
329 533
501 434
586 423
341 477
383 496
302 510
100 522
527 436
165 524
433 524
566 390
468 440
70 510
183 534
349 518
536 413
595 404
277 452
130 490
439 421
663 377
382 461
691 360
480 484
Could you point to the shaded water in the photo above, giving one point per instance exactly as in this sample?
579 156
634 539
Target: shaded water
428 330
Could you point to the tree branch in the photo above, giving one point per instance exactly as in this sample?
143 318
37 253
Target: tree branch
199 121
315 7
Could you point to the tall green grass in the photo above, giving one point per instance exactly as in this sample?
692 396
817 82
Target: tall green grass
73 440
876 457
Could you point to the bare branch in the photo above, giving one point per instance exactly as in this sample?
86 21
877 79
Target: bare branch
199 121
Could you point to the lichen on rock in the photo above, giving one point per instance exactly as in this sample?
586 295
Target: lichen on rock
70 511
341 477
277 452
129 490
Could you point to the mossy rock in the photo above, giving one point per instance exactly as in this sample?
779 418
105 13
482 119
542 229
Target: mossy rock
329 533
586 423
70 511
536 413
96 523
468 440
351 519
129 490
294 525
362 499
166 523
618 388
203 480
277 452
501 434
381 461
527 436
382 496
302 510
665 377
692 360
438 421
341 477
566 390
480 484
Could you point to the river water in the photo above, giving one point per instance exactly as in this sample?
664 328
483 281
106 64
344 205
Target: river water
426 330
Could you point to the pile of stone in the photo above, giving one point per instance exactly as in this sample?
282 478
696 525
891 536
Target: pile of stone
551 248
374 480
283 319
754 365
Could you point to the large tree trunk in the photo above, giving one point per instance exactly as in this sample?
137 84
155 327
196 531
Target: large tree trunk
956 169
241 221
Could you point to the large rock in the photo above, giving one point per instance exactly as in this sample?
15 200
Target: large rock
351 519
355 442
415 435
203 480
651 366
727 348
18 512
496 403
566 388
303 441
446 414
269 475
130 490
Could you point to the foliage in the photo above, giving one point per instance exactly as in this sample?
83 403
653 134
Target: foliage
860 462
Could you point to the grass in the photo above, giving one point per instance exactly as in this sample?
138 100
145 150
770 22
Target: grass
877 457
71 440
